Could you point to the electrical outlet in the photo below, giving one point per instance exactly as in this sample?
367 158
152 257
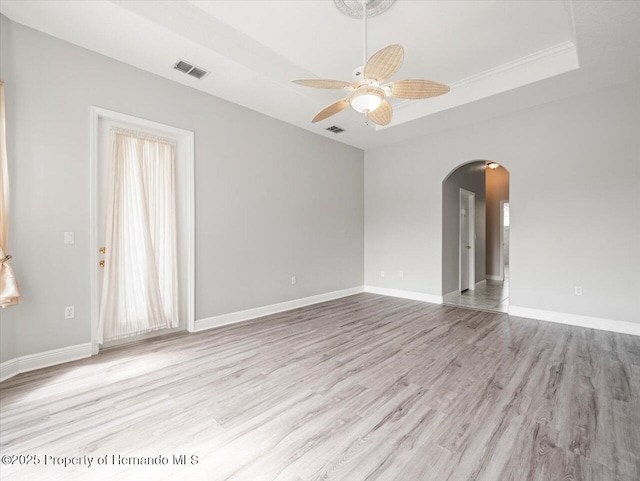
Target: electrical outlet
293 280
578 290
381 273
69 312
401 273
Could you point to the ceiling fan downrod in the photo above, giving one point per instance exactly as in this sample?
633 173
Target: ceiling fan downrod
364 19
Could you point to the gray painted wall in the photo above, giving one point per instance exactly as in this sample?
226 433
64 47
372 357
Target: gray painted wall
497 188
470 177
272 200
574 171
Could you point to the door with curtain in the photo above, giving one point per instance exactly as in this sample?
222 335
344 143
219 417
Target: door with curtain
139 291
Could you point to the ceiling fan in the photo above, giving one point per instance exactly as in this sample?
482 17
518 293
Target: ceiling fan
368 93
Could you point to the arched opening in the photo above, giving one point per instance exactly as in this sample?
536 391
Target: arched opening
475 236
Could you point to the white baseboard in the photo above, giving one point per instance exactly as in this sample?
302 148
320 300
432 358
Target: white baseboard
624 327
491 277
483 281
44 359
233 317
9 369
415 296
450 295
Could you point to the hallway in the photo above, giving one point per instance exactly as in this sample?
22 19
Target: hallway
488 295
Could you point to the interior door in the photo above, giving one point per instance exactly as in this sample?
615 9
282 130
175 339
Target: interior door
464 247
467 240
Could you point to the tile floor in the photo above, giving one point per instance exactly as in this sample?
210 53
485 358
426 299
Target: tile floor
488 296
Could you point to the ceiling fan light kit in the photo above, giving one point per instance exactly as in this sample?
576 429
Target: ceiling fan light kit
366 98
368 94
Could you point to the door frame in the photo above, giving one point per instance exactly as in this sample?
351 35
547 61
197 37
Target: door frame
502 202
471 204
186 152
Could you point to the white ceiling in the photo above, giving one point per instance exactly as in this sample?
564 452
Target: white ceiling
498 56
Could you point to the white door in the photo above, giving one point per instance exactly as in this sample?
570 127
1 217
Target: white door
104 124
467 240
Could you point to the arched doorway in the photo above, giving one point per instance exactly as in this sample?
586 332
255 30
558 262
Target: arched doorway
475 236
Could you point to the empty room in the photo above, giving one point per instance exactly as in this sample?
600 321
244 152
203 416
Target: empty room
279 240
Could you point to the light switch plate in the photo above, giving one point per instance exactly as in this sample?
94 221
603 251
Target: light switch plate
69 238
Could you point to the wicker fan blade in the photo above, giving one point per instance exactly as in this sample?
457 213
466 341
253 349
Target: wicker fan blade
322 83
384 63
417 89
382 115
332 109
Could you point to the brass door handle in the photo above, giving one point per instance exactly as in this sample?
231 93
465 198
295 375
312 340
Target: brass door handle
101 263
102 250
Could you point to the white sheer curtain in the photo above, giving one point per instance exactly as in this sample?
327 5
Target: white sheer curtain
9 290
140 284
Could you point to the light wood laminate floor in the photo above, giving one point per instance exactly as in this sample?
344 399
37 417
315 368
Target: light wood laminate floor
361 388
489 295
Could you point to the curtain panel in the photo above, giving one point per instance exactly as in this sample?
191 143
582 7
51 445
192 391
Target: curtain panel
9 289
140 283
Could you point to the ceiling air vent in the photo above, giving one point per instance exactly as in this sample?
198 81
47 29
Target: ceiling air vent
198 72
189 69
335 129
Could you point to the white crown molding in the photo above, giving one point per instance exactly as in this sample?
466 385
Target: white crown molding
623 327
44 359
532 68
240 316
531 61
414 296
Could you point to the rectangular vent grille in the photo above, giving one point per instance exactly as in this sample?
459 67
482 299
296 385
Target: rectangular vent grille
189 69
198 72
335 129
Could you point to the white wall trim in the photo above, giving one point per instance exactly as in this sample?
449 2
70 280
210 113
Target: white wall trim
414 296
80 351
501 239
623 327
491 277
240 316
40 360
9 369
555 60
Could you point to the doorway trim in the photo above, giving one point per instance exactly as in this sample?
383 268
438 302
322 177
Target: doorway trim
187 152
472 234
502 203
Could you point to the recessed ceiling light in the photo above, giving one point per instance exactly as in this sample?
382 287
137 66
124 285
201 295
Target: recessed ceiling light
493 165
